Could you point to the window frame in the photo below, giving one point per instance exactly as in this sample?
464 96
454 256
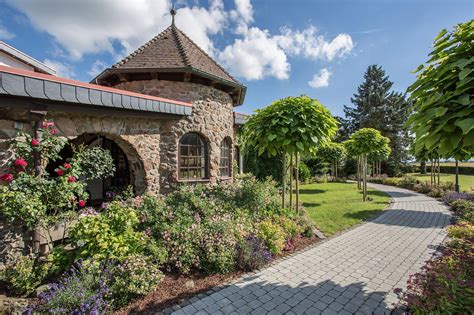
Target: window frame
228 157
203 158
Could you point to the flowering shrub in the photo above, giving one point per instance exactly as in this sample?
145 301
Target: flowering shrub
273 236
138 275
463 209
199 226
252 253
444 286
83 290
37 200
218 247
453 196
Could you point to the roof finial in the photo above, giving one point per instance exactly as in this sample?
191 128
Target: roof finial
173 13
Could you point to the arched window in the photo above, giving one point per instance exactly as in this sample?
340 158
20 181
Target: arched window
192 157
225 163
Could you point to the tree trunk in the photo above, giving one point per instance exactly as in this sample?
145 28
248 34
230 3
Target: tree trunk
365 166
335 163
297 183
431 173
439 171
291 181
359 172
283 181
456 186
423 167
37 153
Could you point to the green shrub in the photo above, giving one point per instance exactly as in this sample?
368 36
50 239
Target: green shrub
464 209
320 179
305 172
392 181
93 163
25 275
423 187
407 182
111 234
273 236
290 226
137 276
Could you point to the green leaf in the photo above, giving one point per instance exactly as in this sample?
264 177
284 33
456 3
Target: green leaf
300 145
466 124
441 34
464 73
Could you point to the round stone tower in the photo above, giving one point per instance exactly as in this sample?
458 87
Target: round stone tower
172 66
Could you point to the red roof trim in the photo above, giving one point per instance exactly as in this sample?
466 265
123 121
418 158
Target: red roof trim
52 78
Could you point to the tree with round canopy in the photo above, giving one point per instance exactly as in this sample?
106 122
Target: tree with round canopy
289 126
443 117
365 142
332 153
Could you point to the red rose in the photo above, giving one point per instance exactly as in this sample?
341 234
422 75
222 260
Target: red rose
6 177
53 131
82 203
71 179
20 163
67 166
35 142
60 172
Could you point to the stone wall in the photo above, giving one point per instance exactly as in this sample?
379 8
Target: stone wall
150 144
212 118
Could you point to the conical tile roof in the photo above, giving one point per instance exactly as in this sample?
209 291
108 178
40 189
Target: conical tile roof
173 49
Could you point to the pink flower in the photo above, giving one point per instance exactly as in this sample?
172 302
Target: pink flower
71 179
60 172
81 203
6 177
67 166
20 163
54 131
35 142
47 124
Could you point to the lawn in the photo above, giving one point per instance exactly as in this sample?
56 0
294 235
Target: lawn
337 206
465 181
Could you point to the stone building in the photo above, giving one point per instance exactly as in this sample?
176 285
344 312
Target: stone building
166 112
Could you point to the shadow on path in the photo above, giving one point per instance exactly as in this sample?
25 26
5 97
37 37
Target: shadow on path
261 297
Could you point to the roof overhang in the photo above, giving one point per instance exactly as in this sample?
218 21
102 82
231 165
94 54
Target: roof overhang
15 53
47 89
239 89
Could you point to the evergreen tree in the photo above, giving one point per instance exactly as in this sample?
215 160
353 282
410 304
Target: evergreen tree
376 106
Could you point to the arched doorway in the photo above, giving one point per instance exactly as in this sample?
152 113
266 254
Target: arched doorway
99 188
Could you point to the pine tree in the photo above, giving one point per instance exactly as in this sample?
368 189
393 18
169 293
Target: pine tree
376 106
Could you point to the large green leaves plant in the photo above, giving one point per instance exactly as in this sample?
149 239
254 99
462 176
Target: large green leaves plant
289 126
443 117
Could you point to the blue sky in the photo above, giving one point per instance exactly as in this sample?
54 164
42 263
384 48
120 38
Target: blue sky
257 41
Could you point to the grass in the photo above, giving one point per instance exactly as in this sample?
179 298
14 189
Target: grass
465 181
337 206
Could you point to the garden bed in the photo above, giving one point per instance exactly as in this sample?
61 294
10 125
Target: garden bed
175 289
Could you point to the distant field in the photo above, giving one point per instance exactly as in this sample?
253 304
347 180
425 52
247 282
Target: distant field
464 164
465 181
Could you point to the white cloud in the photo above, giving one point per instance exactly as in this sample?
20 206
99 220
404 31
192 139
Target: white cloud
90 26
119 27
308 44
5 34
321 79
62 69
97 67
256 56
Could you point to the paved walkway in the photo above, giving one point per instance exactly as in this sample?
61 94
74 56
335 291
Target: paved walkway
353 273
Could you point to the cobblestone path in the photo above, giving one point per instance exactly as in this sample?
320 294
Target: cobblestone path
352 273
